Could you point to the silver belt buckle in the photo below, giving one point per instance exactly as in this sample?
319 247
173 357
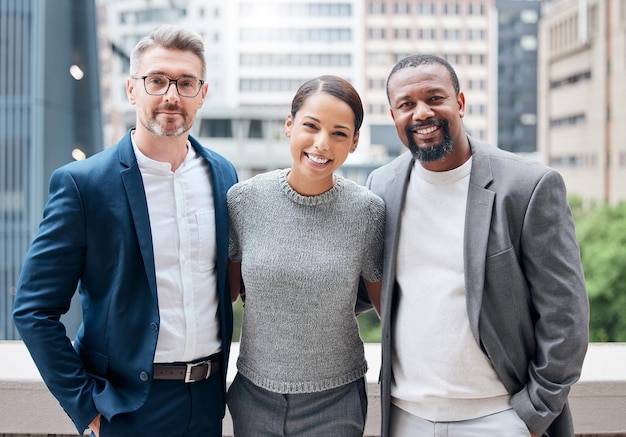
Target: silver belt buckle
190 366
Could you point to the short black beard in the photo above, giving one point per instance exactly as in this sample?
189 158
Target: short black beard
436 152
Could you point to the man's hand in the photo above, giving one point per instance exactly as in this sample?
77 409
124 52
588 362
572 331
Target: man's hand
94 426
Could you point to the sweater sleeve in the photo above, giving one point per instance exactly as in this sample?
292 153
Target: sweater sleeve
234 200
373 261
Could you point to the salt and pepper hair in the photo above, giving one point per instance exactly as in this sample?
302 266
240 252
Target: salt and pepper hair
336 87
168 36
417 60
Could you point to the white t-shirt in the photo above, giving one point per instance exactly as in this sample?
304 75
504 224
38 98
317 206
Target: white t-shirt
440 372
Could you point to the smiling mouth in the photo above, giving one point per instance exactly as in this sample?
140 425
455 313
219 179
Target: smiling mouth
426 130
317 159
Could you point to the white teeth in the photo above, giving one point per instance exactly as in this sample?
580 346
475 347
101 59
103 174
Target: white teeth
318 160
426 130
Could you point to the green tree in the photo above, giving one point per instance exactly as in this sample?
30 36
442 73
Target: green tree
369 327
369 324
601 232
238 319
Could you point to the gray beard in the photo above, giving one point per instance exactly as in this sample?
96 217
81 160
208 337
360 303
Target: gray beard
154 127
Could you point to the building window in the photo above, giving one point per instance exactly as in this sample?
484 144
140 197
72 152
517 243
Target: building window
325 9
401 8
267 9
302 59
476 9
452 58
378 109
528 43
400 56
476 109
476 84
377 84
256 129
426 8
216 128
574 161
476 59
452 34
529 16
426 34
476 34
528 119
452 9
402 33
267 84
570 80
376 8
376 33
297 35
571 120
377 58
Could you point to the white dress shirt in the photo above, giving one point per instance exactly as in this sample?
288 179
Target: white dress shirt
182 221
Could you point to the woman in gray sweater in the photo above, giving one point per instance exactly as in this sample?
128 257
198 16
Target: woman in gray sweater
300 240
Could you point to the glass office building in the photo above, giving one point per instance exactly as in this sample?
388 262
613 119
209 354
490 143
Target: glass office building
50 114
518 22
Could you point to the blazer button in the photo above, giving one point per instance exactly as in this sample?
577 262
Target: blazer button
144 376
154 327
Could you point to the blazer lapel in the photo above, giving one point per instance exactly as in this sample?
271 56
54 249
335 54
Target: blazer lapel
393 190
135 193
219 201
394 202
477 223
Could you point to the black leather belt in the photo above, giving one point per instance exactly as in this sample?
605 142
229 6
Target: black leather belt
188 372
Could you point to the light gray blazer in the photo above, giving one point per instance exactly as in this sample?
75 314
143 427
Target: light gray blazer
526 296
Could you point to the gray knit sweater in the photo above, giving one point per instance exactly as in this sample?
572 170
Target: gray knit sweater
301 262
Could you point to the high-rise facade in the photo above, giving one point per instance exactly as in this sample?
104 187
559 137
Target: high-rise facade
49 115
518 22
462 31
582 66
258 54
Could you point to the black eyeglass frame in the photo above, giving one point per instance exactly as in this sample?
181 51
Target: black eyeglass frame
145 87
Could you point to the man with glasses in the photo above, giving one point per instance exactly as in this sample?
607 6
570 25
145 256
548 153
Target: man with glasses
142 230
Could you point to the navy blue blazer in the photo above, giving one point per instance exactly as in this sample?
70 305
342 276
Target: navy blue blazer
96 235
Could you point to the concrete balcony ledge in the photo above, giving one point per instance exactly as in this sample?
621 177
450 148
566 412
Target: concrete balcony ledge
598 400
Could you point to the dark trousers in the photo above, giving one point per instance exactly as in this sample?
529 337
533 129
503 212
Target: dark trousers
173 409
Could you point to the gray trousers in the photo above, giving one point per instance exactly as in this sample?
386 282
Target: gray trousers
256 412
506 423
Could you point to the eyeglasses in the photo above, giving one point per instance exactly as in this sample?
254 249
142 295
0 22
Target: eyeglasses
159 85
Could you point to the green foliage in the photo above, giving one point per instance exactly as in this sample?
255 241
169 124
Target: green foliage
601 232
369 324
238 316
369 327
